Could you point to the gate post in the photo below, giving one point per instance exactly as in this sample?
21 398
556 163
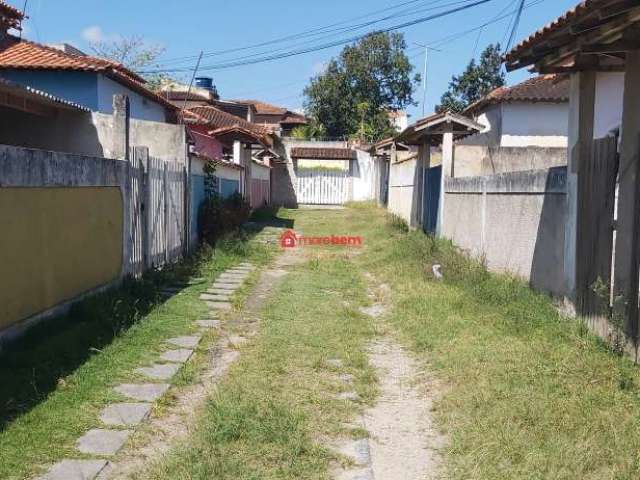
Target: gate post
581 118
627 236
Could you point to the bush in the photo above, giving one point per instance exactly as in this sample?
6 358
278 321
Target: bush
219 216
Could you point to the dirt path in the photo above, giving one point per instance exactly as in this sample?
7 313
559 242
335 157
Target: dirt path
403 440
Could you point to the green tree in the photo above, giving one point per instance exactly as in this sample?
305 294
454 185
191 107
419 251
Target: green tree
476 81
135 54
356 91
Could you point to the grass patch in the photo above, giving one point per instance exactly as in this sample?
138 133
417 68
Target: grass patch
529 393
279 399
56 379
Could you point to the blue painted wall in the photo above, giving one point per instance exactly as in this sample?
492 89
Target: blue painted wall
197 197
94 91
228 187
79 87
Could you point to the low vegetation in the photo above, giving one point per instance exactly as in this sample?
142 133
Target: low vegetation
529 394
280 398
57 378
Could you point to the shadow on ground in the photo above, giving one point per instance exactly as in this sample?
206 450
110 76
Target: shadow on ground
32 366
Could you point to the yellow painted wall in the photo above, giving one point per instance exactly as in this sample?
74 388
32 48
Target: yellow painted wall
56 243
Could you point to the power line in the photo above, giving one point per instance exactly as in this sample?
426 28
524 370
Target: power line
516 24
313 32
325 46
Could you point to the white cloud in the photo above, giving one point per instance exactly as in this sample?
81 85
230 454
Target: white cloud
95 34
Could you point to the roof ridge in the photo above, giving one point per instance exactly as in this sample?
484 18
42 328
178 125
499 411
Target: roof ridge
103 62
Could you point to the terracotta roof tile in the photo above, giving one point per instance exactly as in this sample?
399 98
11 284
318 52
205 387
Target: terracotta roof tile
576 14
323 153
263 108
216 118
20 54
543 88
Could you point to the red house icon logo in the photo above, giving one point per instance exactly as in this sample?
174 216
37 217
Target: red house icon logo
288 239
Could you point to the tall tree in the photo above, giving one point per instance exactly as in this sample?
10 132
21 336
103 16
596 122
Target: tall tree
476 81
354 94
134 53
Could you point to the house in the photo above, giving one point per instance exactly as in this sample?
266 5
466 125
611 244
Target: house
83 79
525 128
277 119
597 44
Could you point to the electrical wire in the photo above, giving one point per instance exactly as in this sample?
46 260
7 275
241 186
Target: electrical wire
325 46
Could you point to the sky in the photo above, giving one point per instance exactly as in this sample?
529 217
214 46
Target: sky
186 27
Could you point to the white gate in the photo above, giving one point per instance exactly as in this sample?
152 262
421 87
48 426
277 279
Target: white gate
323 187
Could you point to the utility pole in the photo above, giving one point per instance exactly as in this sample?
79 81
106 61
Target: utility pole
424 74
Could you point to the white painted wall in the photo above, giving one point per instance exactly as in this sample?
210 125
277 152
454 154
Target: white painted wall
535 124
260 172
141 107
522 124
608 104
363 177
230 173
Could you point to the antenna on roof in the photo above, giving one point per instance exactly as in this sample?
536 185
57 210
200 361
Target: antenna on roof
24 14
193 77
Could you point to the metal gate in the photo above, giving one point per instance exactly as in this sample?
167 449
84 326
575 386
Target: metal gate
323 187
431 199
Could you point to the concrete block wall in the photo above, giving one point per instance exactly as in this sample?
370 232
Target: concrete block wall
514 220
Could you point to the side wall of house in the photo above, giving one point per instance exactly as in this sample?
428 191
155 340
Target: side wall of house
515 221
535 124
142 108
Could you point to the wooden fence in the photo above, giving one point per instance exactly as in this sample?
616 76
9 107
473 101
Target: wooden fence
159 209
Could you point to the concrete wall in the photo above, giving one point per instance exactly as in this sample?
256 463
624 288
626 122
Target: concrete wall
58 242
404 176
74 241
92 134
474 160
364 177
514 220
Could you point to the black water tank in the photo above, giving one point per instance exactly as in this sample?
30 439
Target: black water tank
204 82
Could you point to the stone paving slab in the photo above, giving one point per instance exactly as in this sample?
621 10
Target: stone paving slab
208 323
102 442
180 355
215 297
240 271
346 378
233 273
334 362
230 280
246 264
75 470
219 305
125 413
220 291
225 286
143 392
185 342
237 340
159 371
